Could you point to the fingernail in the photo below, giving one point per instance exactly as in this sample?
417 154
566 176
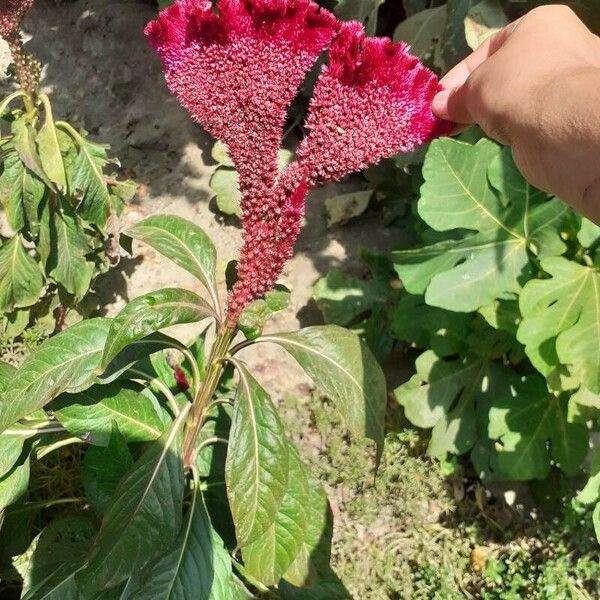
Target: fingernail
439 106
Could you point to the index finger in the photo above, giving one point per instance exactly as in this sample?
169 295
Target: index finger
461 72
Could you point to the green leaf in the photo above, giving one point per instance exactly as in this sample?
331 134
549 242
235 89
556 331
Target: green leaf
14 483
482 21
67 263
24 136
256 470
150 313
11 189
591 491
198 565
561 320
11 449
220 153
253 319
20 276
596 520
278 298
224 184
589 233
422 31
311 569
469 270
90 184
57 554
343 207
91 413
49 149
7 372
136 352
271 555
182 242
525 424
144 516
346 372
342 298
67 362
502 314
103 468
424 326
450 397
365 12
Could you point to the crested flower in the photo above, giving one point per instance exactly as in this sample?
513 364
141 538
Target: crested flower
237 71
11 15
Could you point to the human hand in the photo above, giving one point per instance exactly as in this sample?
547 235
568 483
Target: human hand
535 86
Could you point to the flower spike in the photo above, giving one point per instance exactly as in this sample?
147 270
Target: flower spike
237 70
11 15
371 101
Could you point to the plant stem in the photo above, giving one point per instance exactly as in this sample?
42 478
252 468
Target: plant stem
60 444
203 398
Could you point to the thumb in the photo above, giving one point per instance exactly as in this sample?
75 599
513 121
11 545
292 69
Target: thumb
451 105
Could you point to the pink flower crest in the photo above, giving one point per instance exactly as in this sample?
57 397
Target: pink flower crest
11 15
237 69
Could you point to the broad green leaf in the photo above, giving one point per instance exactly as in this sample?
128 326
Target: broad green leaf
589 233
67 362
256 470
7 372
90 184
224 184
91 413
453 44
20 276
136 352
343 207
584 406
182 242
144 516
57 554
561 320
11 448
590 493
365 12
415 322
342 298
24 136
11 189
451 397
49 149
596 520
310 576
197 567
468 270
270 556
482 21
345 370
526 424
422 31
67 263
103 468
150 313
14 483
502 314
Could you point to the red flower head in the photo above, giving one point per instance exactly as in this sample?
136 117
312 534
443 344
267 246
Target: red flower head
11 15
237 71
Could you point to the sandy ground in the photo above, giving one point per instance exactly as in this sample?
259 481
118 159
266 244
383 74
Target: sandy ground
102 76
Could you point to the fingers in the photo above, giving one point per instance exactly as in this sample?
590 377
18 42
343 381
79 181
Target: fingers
451 103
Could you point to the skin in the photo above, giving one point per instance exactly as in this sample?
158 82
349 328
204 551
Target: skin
535 85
